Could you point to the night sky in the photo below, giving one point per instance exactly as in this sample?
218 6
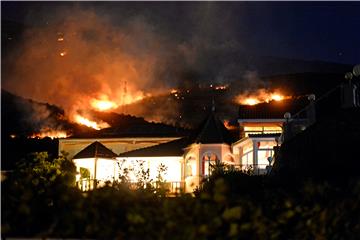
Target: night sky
326 31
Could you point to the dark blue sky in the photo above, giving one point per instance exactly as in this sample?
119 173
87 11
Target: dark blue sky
327 31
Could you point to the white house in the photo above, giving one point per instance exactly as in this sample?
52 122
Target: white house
184 161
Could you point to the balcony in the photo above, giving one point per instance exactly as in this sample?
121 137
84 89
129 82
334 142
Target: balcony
171 187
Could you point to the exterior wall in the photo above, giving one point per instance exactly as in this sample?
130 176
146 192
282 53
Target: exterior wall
194 156
118 145
227 155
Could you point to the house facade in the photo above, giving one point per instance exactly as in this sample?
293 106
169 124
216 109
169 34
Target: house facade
183 162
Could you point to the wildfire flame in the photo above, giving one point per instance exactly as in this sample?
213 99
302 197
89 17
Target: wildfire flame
84 121
102 102
50 133
228 125
260 96
103 105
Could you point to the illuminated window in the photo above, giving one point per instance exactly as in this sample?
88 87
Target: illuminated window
263 156
262 129
265 150
208 160
247 158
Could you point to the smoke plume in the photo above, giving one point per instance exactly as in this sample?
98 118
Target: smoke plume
79 56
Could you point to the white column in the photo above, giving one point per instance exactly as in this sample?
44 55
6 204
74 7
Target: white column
255 155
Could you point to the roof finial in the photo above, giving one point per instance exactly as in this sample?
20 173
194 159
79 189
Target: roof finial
213 105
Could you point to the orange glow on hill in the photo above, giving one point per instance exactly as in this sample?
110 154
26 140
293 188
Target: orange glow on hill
103 105
89 123
259 96
50 133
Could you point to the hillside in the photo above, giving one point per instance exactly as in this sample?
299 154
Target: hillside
192 101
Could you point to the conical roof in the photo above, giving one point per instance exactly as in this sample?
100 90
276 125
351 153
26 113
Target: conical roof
95 150
212 130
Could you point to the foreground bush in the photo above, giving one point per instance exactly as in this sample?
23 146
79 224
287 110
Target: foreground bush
39 200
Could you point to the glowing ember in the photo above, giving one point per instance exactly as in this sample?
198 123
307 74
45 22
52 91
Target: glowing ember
259 96
62 54
103 105
60 39
221 87
173 91
84 121
228 125
50 133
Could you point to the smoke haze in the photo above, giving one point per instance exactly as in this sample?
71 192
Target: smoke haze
72 53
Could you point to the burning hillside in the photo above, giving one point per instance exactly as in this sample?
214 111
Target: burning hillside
80 62
54 123
83 62
260 96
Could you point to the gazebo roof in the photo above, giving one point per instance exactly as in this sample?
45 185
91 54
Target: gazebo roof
95 150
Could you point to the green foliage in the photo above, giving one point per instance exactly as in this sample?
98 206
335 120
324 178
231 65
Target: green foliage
229 205
84 173
143 181
39 186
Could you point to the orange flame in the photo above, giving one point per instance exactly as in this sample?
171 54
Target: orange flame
84 121
103 105
228 125
129 99
259 96
50 133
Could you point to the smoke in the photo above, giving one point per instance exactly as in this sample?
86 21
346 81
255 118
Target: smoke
79 55
36 117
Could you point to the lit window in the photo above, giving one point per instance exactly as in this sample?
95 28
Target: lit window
208 161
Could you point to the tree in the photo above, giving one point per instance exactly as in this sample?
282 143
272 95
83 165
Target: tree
35 193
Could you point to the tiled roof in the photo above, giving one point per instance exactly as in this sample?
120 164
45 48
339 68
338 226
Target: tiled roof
173 148
95 150
212 130
273 109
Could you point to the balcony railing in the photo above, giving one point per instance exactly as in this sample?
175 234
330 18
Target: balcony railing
171 187
253 169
